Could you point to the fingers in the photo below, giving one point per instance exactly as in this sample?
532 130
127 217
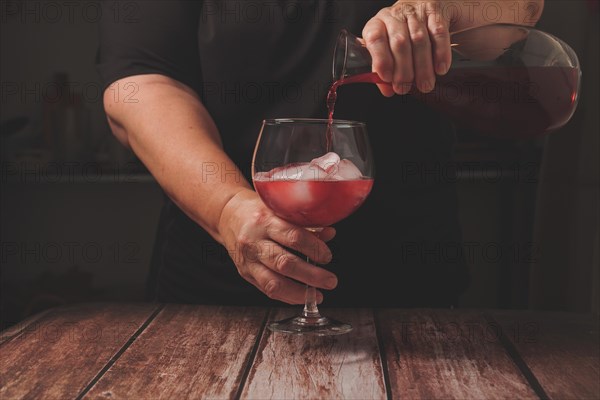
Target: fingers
421 48
299 239
418 45
286 264
275 286
439 34
250 237
326 234
377 42
386 90
401 49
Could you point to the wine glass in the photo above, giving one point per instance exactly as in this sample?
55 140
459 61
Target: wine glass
505 80
312 173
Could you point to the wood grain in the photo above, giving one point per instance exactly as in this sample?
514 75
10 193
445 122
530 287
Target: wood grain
186 352
561 349
19 327
128 351
447 354
305 367
56 355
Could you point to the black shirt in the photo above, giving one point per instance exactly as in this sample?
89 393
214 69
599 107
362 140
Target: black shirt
251 60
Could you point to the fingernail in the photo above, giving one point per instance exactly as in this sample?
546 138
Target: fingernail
442 68
331 283
398 88
427 86
386 76
319 298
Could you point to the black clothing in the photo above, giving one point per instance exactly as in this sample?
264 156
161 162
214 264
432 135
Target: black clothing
272 59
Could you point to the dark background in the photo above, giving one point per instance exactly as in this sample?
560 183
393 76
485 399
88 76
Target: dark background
78 213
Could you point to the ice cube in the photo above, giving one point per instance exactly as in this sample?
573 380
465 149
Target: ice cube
314 173
301 194
347 171
290 172
262 176
327 162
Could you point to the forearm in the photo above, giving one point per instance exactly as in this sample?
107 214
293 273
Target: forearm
174 136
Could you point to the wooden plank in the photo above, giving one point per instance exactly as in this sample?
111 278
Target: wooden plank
186 352
562 350
447 354
19 327
308 367
58 354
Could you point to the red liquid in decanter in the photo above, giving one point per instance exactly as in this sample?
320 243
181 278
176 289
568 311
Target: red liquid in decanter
516 102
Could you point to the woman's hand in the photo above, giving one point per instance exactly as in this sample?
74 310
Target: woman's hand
254 238
409 42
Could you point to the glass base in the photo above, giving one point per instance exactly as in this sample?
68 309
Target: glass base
316 326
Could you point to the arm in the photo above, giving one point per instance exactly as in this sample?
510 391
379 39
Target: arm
174 136
410 40
170 131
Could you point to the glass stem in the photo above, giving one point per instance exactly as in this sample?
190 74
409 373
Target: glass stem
310 301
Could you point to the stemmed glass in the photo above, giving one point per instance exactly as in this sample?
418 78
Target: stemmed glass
312 173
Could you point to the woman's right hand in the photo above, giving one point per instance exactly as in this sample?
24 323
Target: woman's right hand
255 238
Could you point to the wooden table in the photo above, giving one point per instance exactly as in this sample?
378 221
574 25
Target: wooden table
135 351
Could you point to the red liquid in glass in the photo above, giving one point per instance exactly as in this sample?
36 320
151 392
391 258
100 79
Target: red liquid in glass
516 102
313 204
